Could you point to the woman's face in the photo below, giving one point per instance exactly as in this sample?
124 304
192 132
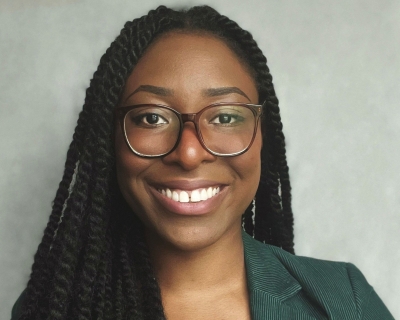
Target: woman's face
181 69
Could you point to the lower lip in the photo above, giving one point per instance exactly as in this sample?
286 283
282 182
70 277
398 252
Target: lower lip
189 208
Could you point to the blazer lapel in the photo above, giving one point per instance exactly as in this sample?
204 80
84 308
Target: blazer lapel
273 291
264 309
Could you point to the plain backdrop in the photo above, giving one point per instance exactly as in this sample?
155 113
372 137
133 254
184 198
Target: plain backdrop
336 68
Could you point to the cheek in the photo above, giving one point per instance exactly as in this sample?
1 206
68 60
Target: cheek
129 168
248 169
249 164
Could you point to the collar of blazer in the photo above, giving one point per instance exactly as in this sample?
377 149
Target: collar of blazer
274 292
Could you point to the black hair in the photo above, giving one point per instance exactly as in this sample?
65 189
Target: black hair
93 262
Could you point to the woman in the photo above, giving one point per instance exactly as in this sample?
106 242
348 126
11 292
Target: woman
180 145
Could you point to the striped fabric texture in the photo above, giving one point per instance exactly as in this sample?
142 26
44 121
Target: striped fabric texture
285 286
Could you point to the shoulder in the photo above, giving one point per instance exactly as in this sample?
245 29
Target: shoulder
337 288
332 274
314 268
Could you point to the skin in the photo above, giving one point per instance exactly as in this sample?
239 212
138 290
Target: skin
192 253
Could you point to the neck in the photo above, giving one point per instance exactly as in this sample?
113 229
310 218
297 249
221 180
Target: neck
219 266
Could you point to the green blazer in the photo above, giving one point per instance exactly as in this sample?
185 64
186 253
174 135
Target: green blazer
289 287
285 286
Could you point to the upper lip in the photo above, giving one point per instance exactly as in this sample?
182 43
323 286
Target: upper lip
186 184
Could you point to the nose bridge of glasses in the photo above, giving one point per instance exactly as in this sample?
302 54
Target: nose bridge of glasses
188 117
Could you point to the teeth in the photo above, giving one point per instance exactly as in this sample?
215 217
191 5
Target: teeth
190 196
203 194
195 196
183 197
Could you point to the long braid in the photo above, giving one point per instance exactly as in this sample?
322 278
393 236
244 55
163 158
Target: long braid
118 303
67 245
40 269
99 210
108 293
247 221
279 153
99 288
130 288
152 305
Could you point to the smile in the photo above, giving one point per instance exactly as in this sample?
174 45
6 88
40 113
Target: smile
184 196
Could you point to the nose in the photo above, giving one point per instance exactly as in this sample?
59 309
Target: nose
189 153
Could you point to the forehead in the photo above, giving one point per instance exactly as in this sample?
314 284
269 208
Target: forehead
189 62
184 46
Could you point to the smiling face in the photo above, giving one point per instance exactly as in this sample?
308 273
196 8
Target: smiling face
189 72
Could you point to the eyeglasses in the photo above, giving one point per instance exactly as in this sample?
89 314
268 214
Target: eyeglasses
224 129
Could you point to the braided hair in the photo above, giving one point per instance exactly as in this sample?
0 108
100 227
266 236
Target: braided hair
92 262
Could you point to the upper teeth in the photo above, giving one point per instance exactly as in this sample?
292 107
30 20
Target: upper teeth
190 196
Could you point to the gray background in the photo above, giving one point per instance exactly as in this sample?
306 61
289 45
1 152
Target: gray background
336 68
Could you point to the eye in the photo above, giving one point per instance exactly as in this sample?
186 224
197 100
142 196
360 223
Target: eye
149 119
226 119
153 118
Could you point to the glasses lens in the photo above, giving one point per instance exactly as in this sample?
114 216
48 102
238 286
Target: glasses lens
227 129
151 130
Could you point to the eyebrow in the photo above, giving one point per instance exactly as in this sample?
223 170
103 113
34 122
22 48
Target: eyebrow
166 92
214 92
160 91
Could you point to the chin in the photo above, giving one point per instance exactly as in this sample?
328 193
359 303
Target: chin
186 238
